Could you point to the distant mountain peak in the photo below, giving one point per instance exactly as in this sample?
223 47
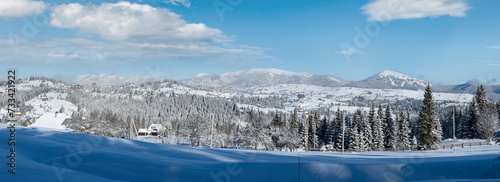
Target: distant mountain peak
386 73
391 79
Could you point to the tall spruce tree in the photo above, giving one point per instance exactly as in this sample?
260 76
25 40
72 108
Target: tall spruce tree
337 140
429 126
389 130
294 124
469 129
322 131
312 123
404 131
304 135
378 135
366 133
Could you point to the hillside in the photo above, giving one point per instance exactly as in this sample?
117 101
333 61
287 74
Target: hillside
47 155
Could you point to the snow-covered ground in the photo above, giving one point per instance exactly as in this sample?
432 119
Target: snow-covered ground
46 111
44 154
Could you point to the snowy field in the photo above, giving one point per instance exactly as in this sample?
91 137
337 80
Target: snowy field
46 155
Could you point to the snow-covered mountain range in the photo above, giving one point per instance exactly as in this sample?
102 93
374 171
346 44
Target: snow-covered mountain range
263 77
383 80
112 79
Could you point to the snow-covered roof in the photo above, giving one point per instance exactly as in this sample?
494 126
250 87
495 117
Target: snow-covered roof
156 126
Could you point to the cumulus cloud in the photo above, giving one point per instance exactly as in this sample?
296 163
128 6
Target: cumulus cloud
126 21
20 8
387 10
132 32
184 3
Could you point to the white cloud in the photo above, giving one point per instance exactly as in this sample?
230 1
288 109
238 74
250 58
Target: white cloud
494 47
20 8
387 10
138 23
346 52
184 3
349 51
83 50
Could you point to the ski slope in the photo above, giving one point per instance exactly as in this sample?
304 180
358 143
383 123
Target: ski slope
44 154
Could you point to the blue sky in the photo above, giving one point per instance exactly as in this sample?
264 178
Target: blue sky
442 41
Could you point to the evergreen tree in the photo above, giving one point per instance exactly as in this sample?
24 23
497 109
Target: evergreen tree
356 141
378 135
429 126
304 135
322 132
469 129
389 140
330 134
294 125
487 121
337 140
404 131
349 131
371 118
365 133
312 131
458 123
480 97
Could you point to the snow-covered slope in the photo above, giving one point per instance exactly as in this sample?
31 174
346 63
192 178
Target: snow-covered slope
112 79
263 77
47 155
390 79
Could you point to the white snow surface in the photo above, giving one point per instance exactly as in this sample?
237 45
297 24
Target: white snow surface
47 155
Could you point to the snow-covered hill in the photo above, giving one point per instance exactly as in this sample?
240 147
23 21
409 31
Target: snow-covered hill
263 77
112 79
47 155
47 113
390 80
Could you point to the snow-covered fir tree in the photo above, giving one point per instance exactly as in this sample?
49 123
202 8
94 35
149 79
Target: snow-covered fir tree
339 126
429 125
322 132
404 131
390 140
487 122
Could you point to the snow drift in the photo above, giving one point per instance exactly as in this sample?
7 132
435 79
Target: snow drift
47 155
